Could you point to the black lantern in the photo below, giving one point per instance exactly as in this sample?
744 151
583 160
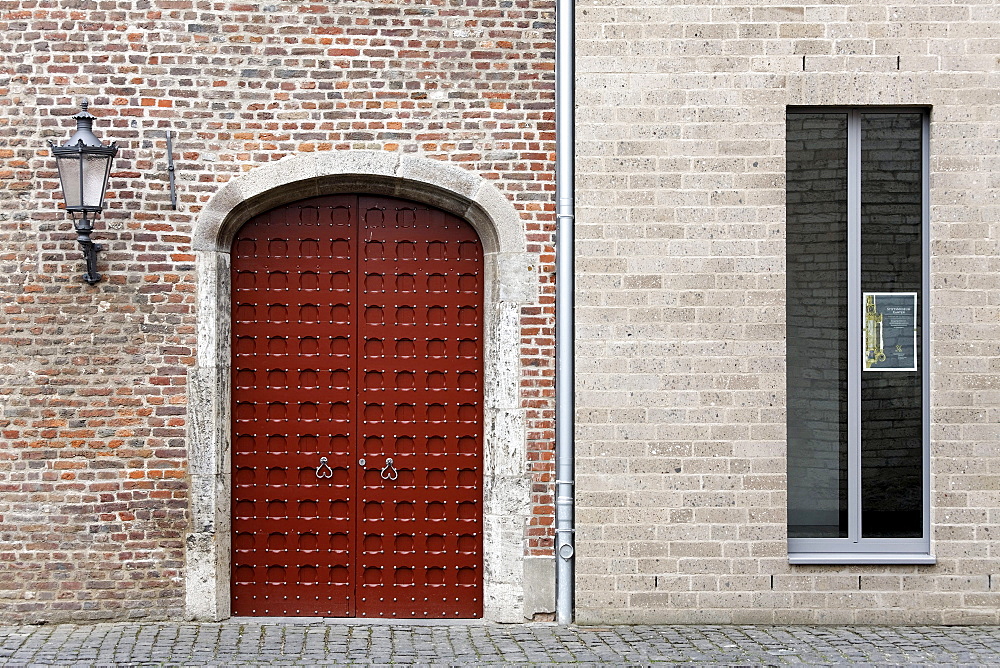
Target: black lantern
84 164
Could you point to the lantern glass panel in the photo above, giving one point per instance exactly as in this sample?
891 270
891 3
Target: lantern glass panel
95 173
69 174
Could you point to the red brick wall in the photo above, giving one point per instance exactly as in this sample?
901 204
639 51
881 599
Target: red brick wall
93 469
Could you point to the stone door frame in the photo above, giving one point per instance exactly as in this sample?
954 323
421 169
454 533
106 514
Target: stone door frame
510 282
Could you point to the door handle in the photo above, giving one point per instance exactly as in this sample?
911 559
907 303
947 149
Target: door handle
320 473
389 471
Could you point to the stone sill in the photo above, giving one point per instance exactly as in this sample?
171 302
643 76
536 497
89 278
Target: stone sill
807 558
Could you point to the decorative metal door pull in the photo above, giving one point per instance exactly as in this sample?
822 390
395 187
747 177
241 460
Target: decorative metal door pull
389 471
320 473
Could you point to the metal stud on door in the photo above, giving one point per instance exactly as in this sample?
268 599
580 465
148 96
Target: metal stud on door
357 417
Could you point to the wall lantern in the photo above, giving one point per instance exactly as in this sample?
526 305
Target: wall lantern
84 165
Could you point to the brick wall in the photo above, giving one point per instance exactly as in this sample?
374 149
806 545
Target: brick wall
681 420
93 468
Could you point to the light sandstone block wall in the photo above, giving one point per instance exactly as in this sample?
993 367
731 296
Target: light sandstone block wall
681 421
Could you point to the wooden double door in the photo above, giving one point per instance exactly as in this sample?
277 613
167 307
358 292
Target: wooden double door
357 411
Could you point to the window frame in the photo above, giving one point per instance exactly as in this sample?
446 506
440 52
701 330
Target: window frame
856 549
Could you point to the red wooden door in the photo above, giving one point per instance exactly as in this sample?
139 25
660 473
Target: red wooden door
357 411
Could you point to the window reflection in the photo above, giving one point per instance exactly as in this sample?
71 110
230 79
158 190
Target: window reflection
891 410
816 246
885 385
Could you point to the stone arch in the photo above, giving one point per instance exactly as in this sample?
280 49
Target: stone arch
511 281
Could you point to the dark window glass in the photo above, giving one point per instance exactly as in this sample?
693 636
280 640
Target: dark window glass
891 411
816 251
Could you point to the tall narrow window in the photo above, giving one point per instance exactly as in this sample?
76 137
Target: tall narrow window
856 355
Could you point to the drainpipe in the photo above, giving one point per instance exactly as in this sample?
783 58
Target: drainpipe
565 329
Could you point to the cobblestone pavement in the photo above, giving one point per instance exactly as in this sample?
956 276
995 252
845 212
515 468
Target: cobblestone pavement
318 642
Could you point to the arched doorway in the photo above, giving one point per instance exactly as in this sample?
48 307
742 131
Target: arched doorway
510 283
357 430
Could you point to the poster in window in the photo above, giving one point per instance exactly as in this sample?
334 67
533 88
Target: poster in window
890 331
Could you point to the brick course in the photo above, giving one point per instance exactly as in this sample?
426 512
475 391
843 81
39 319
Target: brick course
93 451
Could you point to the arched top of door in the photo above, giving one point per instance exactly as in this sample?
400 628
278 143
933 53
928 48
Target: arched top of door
304 175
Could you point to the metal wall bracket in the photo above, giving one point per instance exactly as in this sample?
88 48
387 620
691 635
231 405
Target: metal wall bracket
84 228
170 170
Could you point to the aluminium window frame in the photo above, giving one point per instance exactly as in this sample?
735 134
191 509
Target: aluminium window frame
854 549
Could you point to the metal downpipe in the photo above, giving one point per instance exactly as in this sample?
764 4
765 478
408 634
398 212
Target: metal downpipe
565 327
